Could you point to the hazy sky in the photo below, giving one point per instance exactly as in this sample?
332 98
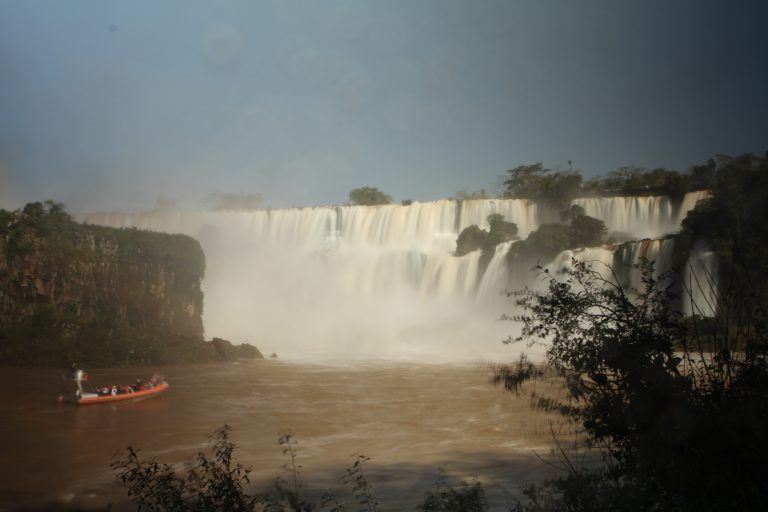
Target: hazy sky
104 105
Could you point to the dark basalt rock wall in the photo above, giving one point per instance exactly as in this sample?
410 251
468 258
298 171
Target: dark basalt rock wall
97 295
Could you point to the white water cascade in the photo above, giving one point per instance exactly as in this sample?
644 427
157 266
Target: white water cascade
365 280
641 217
700 294
659 251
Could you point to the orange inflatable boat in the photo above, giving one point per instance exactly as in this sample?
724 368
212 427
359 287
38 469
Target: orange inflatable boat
139 390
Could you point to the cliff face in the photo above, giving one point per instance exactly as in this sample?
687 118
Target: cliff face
96 295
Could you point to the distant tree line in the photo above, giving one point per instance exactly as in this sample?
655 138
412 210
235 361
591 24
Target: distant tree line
557 188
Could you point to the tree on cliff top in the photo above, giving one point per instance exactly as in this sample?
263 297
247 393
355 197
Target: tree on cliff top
368 196
539 184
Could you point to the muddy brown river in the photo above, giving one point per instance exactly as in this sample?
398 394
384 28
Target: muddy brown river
411 419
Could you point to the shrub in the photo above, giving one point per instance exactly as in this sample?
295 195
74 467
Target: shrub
368 196
680 418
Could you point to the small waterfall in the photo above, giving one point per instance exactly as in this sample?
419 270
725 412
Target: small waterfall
599 259
496 279
700 281
640 217
448 275
630 254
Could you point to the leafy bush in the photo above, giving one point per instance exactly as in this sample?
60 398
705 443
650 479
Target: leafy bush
635 181
217 482
213 482
368 196
469 497
680 418
551 239
556 189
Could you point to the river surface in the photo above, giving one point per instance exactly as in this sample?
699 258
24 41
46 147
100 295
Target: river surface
411 419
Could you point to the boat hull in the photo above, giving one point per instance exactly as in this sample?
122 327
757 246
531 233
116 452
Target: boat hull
93 400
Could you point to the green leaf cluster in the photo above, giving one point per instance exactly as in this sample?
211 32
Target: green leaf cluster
554 188
679 416
636 181
368 196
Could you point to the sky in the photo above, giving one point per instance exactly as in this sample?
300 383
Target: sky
108 105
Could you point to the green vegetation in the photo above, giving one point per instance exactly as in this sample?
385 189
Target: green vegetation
677 407
368 196
555 189
635 181
463 195
733 223
551 239
212 483
679 418
218 482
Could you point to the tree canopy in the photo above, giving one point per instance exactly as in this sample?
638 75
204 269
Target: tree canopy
368 196
553 238
557 188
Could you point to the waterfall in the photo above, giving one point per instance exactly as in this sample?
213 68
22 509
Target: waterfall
630 255
640 217
496 279
700 281
522 212
423 226
380 279
598 259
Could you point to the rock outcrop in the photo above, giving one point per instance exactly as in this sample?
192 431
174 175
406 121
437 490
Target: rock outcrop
100 296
